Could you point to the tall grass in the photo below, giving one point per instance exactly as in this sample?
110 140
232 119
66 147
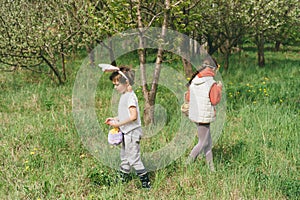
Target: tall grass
256 157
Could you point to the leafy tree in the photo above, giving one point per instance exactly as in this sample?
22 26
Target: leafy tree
226 22
288 24
269 17
38 35
18 46
105 18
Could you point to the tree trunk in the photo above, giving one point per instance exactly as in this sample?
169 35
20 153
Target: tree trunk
89 50
150 95
111 54
142 58
186 47
260 50
53 69
148 117
226 63
159 58
211 48
226 50
277 46
63 63
187 67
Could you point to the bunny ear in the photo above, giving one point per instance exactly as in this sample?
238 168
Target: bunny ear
108 67
111 68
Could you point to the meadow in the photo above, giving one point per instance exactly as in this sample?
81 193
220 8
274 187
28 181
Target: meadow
256 157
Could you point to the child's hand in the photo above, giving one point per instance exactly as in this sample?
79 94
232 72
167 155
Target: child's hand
219 84
109 120
112 122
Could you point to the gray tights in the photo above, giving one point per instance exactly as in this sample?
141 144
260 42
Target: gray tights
204 145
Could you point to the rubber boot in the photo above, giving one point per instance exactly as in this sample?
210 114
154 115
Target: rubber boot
145 180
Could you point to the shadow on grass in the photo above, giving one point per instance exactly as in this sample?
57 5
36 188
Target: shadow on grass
228 154
290 188
99 177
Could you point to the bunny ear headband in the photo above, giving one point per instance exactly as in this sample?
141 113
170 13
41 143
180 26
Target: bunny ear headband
111 68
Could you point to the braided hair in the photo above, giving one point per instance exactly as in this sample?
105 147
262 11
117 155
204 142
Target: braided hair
208 62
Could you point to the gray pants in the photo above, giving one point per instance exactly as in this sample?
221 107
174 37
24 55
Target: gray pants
130 152
204 144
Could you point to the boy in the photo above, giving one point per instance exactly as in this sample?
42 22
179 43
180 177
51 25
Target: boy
129 122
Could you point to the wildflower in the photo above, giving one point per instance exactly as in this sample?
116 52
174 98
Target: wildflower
32 153
104 187
82 156
264 82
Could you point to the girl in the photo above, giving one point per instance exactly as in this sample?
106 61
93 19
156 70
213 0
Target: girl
203 95
129 122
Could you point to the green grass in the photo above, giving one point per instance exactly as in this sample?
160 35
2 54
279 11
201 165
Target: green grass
257 156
